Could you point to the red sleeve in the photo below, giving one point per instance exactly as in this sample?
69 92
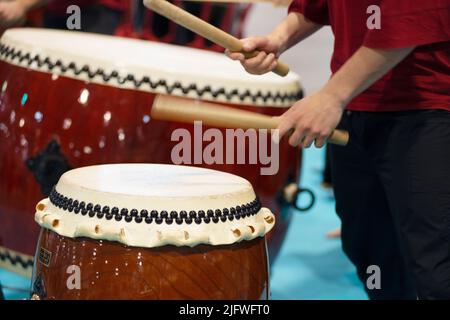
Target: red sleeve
314 10
410 23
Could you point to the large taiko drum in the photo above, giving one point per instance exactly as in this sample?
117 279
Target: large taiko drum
70 99
151 231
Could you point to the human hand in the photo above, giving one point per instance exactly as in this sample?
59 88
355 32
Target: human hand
312 119
265 61
12 13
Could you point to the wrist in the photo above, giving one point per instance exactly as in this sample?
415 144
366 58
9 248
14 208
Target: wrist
338 97
279 40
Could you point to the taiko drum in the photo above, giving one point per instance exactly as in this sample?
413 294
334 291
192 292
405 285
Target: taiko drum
142 231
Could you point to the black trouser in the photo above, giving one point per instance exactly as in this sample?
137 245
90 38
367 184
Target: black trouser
95 18
392 188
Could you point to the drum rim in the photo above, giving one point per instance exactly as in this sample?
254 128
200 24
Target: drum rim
153 235
24 55
129 215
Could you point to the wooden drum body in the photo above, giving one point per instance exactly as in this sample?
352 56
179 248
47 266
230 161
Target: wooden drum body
203 272
113 252
69 100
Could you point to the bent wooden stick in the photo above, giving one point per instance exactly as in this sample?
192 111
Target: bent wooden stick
205 29
184 110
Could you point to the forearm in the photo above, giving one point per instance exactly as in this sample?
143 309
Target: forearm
294 28
362 70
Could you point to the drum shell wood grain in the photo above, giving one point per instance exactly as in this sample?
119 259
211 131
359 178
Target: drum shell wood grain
109 270
96 124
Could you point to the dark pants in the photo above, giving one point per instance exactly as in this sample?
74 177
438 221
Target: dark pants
95 19
392 188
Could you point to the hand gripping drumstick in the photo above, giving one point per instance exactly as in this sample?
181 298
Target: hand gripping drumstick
187 111
205 29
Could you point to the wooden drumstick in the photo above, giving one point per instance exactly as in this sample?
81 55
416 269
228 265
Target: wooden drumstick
205 29
172 108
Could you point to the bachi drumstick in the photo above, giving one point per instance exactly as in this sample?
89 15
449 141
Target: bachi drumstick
205 29
183 110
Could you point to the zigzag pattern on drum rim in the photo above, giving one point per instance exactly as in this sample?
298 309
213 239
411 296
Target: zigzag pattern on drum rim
12 54
207 216
15 258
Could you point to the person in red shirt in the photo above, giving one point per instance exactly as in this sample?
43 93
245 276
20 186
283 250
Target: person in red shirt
390 89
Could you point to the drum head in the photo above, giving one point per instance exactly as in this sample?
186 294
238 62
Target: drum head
150 205
145 65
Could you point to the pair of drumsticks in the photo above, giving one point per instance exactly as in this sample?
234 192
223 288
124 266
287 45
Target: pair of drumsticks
187 111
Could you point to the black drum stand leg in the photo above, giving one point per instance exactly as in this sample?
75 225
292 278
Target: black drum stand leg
2 297
327 181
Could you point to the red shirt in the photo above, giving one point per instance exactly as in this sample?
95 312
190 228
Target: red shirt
421 80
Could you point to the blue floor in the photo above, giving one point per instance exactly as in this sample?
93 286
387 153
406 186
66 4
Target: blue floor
309 266
14 286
